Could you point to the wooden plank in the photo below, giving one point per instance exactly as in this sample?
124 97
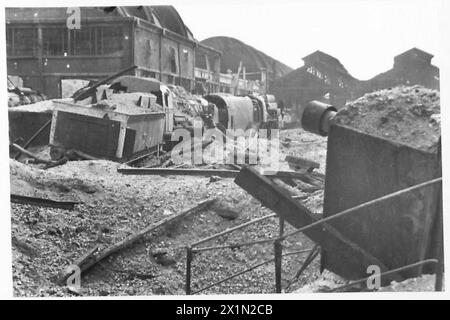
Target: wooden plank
121 140
53 127
87 110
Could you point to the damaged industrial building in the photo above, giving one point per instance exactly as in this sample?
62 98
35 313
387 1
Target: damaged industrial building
142 163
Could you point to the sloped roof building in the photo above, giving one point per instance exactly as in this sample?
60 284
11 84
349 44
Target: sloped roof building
324 78
44 51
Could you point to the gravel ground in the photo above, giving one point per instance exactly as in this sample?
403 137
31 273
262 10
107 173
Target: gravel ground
113 206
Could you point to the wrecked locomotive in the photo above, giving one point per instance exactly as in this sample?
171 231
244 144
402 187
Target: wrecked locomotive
244 112
118 99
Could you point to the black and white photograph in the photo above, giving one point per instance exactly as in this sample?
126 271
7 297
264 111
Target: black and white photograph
223 148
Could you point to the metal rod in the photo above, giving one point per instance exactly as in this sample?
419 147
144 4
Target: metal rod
364 205
409 266
33 137
278 252
232 229
87 91
247 270
234 245
281 226
182 172
309 259
189 257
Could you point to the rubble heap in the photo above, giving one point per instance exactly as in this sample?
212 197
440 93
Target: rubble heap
408 115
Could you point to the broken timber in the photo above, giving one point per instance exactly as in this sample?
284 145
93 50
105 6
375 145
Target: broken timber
275 198
68 205
90 259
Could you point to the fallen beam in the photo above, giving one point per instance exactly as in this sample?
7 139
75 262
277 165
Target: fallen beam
184 172
299 163
309 178
68 205
93 259
276 199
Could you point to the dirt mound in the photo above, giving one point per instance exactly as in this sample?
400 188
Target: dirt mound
408 115
64 184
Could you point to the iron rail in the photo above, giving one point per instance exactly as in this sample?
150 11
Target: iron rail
247 270
364 205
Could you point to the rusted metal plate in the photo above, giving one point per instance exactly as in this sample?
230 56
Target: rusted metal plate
361 168
25 124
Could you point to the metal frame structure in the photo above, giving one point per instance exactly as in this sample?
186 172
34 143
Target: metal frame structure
278 248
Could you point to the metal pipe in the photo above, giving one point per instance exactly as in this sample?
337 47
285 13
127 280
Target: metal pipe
33 137
278 252
247 270
234 245
189 257
309 259
232 229
364 205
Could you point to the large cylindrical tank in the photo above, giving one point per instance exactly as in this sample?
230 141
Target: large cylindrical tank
317 117
234 112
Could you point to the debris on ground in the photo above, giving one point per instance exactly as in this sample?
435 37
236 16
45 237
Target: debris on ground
328 281
113 206
425 282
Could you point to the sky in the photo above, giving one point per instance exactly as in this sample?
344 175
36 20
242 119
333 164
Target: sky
364 35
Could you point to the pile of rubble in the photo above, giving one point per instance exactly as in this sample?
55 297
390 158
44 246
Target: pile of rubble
408 115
